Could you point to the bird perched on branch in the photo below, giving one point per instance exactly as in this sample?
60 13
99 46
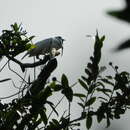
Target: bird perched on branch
46 46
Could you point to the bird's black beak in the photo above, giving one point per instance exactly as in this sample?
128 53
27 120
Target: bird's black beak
63 40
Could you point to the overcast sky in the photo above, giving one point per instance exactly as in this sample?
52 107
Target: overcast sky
73 20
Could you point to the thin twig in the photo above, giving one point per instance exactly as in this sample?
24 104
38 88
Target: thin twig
15 72
34 69
4 66
11 95
69 110
60 101
29 65
55 107
14 85
77 119
22 82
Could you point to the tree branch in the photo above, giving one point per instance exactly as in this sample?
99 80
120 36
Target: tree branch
29 65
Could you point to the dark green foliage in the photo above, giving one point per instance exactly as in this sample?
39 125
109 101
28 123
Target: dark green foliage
114 88
66 89
83 84
14 41
79 95
43 116
90 101
89 121
124 45
92 69
64 81
123 14
30 111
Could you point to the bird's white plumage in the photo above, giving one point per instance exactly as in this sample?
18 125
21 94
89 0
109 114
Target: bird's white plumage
45 46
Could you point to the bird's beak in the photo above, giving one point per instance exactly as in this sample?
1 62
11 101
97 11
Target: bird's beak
63 40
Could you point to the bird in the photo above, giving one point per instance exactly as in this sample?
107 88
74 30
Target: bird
46 46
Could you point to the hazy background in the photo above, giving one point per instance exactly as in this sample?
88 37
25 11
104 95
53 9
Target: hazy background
73 20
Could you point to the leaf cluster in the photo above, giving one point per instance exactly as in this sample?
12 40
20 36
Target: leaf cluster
112 93
14 41
30 110
122 14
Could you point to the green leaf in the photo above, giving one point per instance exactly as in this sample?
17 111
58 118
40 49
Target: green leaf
64 81
79 95
89 122
90 101
107 81
27 46
103 99
108 122
109 77
53 84
87 71
54 109
55 122
121 14
99 117
68 92
97 51
83 84
43 95
43 116
82 105
15 27
125 73
30 38
102 69
30 46
104 90
100 84
85 79
81 99
91 89
55 87
102 38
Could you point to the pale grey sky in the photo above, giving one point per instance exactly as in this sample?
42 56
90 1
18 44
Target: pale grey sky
73 20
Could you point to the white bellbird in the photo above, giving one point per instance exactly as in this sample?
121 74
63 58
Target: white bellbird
46 46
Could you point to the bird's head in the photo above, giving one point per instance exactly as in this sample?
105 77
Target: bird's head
60 39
